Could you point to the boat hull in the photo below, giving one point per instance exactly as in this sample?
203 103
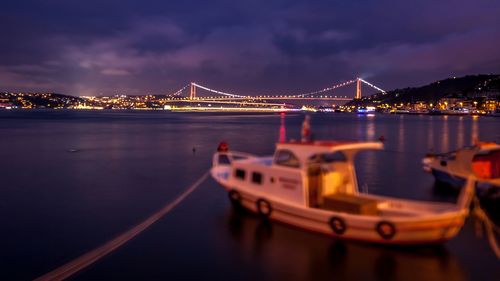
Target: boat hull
483 188
422 231
449 179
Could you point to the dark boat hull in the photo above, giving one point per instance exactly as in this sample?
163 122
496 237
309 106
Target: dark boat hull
483 189
448 179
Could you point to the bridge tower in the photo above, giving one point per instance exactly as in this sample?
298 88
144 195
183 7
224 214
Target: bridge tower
358 89
192 93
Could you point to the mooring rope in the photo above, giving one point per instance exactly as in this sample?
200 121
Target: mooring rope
96 254
489 225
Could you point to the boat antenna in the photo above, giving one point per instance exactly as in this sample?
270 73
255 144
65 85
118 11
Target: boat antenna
282 128
306 129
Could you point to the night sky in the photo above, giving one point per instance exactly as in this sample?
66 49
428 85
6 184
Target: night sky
249 47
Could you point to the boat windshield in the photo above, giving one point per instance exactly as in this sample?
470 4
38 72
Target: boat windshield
337 156
224 159
286 158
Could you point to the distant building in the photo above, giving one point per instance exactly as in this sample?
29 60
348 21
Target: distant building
491 105
449 102
419 105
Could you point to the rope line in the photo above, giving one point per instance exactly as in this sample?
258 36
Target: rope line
76 265
489 225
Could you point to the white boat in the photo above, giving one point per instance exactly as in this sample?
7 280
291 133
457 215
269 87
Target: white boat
313 186
453 168
366 110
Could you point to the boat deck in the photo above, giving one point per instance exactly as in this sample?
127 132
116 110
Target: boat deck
369 205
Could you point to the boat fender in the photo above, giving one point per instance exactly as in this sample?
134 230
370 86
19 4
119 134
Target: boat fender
234 197
264 208
338 225
386 229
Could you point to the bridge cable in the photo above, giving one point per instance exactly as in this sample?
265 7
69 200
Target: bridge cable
291 96
178 93
373 86
326 89
218 92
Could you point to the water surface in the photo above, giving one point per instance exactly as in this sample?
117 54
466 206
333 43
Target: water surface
71 180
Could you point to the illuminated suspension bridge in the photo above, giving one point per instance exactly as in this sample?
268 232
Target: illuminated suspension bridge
262 100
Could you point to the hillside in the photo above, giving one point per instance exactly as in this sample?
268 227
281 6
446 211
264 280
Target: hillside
463 87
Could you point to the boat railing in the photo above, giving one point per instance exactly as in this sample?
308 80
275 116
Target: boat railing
227 157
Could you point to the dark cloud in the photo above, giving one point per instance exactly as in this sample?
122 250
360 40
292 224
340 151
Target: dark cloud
105 47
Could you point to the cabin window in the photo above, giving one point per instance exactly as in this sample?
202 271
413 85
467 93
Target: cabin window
257 177
240 174
224 159
286 158
329 157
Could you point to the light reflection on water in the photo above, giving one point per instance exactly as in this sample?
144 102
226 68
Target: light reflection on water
55 205
401 134
460 133
370 129
445 138
475 130
430 132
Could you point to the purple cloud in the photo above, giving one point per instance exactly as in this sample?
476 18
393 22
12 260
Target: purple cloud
251 48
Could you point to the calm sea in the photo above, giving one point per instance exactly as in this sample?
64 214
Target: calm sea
72 180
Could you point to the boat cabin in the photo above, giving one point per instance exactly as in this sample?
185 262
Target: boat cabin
482 160
486 163
303 173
